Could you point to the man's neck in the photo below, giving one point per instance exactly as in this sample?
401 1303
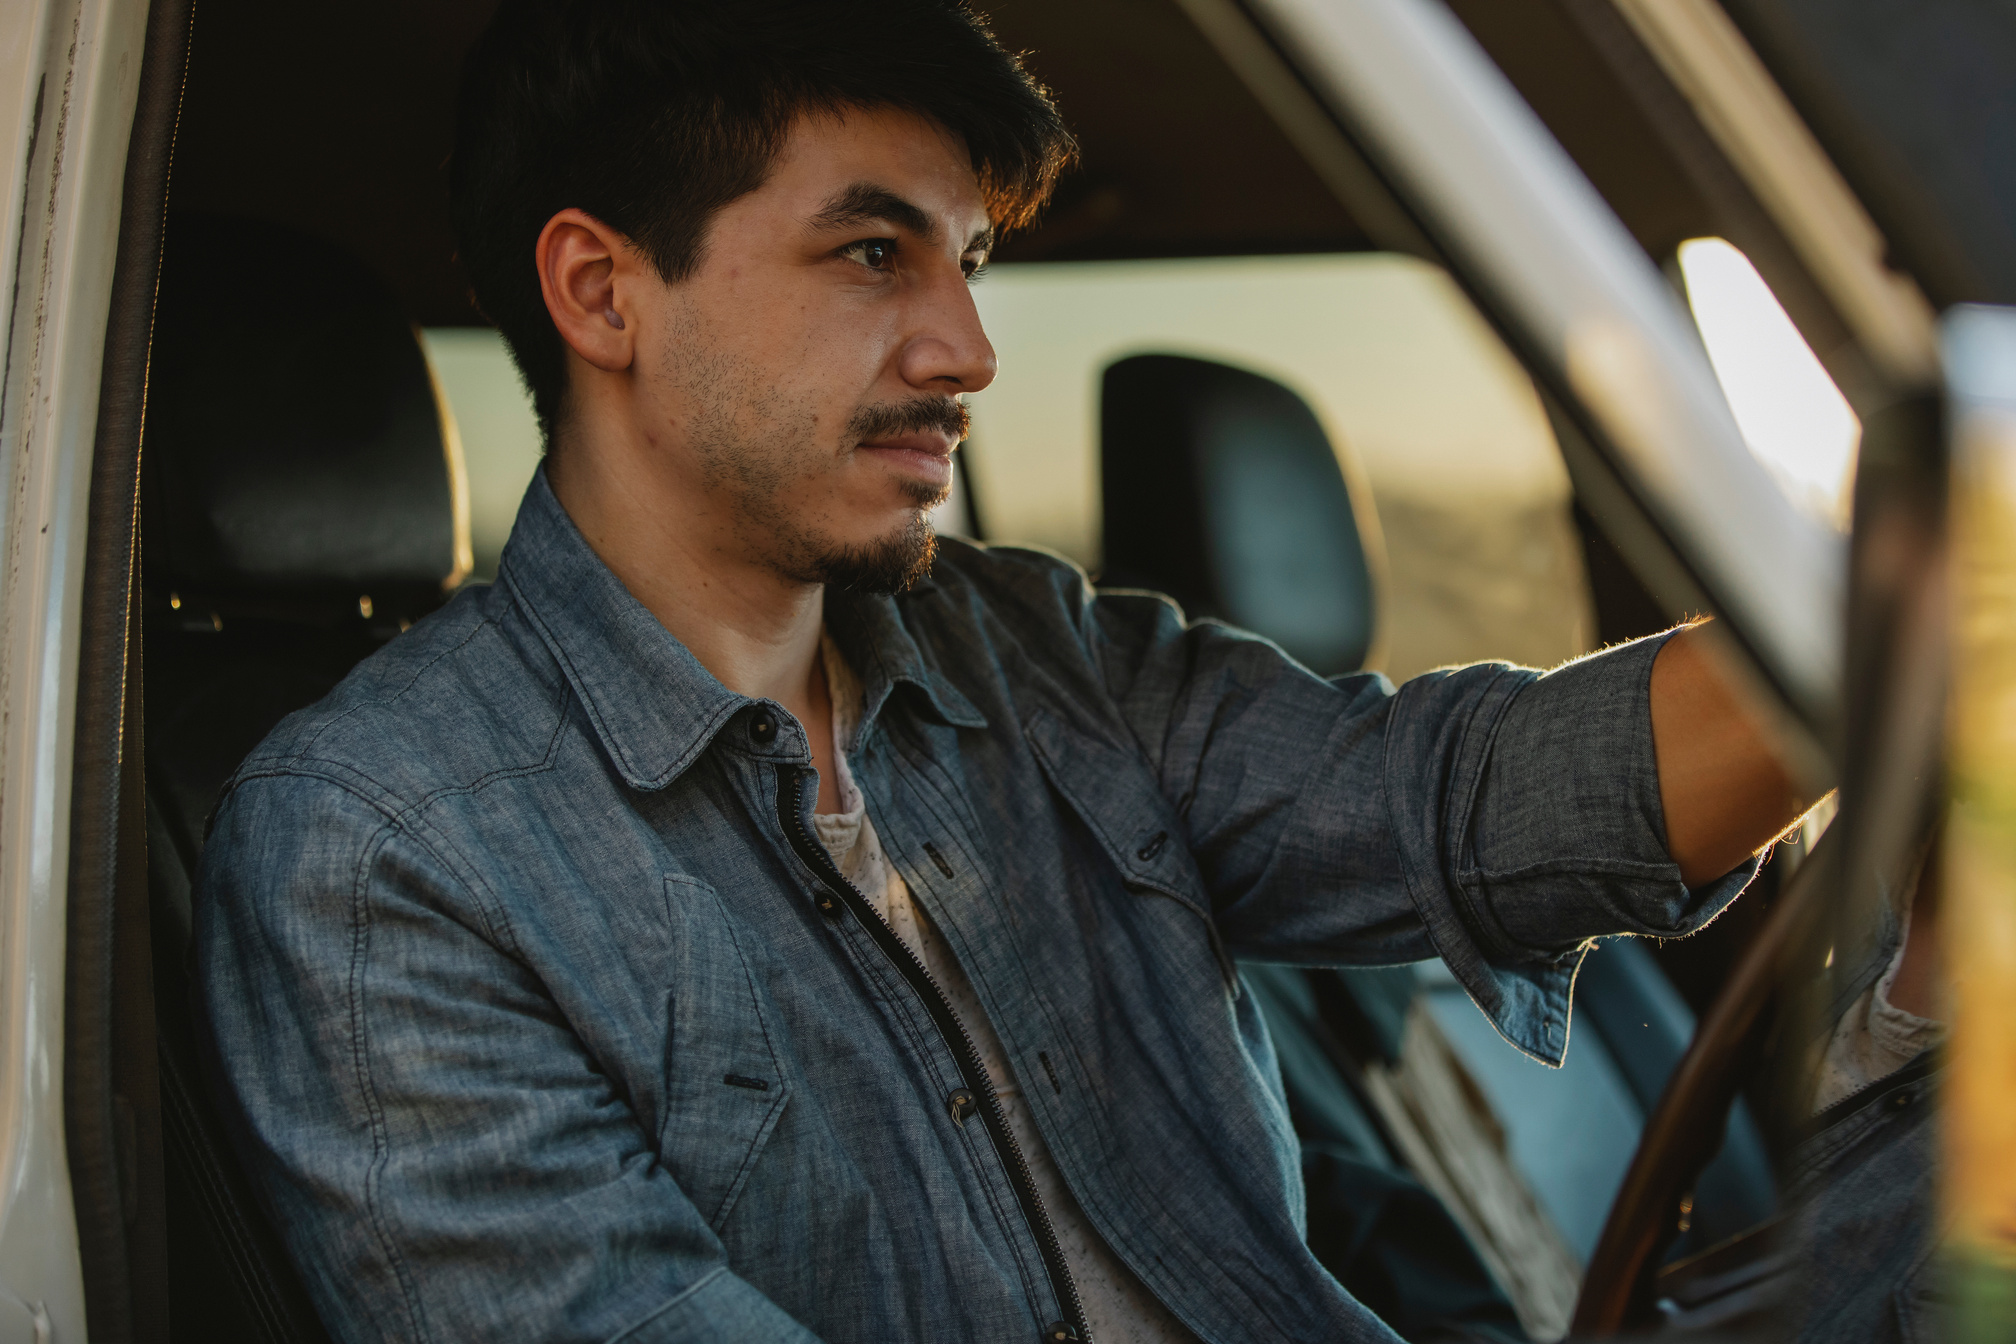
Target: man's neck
755 630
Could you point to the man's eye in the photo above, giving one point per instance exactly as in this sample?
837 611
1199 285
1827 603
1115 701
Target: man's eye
877 254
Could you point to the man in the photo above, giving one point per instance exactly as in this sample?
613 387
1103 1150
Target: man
749 920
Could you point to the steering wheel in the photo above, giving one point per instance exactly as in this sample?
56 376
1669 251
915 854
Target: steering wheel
1684 1131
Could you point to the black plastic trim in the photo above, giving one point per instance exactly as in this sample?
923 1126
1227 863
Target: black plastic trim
111 1090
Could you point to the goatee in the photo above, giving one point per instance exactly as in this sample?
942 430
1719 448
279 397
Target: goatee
889 565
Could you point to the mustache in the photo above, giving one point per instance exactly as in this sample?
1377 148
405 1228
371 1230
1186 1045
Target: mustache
889 419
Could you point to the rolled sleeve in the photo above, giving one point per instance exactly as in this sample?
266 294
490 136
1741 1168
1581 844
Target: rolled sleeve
1566 842
1571 838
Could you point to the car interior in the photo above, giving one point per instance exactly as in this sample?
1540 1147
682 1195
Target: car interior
305 499
307 515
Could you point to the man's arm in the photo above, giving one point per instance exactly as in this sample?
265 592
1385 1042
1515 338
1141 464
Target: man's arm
1491 815
1724 792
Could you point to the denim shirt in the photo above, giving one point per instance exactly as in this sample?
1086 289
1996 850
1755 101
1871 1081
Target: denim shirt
538 1022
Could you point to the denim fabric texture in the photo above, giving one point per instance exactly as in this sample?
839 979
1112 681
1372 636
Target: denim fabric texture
532 1026
1866 1186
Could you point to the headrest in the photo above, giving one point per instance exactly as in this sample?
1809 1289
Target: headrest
297 453
1222 490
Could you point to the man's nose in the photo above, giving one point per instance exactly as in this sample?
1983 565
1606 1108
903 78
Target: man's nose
947 350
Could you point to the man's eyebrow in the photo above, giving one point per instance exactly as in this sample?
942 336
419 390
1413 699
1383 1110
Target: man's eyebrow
866 203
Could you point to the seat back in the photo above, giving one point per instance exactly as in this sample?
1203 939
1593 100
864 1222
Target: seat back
1222 490
300 508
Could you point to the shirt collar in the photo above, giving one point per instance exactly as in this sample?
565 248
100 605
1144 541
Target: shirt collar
652 704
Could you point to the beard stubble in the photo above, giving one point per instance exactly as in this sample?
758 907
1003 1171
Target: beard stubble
756 447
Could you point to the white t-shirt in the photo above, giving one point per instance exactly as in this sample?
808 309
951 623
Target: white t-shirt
1118 1306
1874 1038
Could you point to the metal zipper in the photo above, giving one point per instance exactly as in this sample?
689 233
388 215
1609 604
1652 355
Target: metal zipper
790 787
1920 1067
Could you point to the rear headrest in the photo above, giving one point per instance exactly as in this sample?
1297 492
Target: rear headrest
1222 490
297 453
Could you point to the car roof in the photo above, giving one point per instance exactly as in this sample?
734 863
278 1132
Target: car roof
348 111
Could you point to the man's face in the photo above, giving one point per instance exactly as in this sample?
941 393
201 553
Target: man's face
805 378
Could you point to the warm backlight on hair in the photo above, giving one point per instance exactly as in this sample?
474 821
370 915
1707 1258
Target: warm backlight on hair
1790 412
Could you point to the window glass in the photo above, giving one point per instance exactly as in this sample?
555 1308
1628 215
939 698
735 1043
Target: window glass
1428 412
1792 415
500 435
1420 399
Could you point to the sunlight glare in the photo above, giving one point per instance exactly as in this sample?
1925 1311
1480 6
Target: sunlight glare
1792 415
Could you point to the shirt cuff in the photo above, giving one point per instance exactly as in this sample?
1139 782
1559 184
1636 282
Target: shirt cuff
1568 843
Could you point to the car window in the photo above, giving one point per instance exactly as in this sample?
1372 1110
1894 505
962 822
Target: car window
1418 397
1426 409
500 435
1792 415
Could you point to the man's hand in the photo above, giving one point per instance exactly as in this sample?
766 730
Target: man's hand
1725 793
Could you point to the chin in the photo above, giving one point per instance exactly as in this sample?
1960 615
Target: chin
886 562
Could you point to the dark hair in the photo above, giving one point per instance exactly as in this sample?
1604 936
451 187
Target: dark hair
653 116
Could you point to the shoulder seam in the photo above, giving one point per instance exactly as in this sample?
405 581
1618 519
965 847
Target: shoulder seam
418 672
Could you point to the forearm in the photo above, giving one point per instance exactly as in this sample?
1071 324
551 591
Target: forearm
1724 791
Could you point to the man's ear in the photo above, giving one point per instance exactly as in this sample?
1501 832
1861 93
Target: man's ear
586 271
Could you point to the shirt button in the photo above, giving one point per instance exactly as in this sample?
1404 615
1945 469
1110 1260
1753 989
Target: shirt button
961 1105
762 728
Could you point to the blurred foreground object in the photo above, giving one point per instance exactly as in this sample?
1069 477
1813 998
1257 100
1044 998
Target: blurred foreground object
1980 1194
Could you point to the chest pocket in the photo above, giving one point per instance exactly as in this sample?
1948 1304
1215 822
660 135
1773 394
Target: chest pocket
725 1085
1114 794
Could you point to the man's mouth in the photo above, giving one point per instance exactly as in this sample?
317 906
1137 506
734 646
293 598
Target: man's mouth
925 454
914 439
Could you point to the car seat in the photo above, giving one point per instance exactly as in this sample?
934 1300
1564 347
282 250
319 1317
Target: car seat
300 506
1222 490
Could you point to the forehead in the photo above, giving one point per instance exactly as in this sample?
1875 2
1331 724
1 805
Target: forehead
911 156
